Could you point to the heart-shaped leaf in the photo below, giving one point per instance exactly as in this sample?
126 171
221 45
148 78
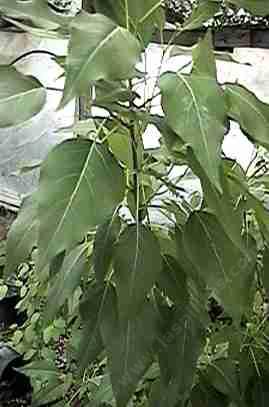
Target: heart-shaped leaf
81 184
95 40
21 97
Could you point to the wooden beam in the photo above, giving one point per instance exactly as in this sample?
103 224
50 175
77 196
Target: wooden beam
227 38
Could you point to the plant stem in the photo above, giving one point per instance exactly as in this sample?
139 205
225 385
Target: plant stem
33 52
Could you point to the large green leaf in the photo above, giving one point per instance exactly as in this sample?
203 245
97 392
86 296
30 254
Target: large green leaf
195 109
91 310
180 343
67 280
22 236
205 10
252 114
259 7
140 17
129 346
103 249
36 10
137 264
21 96
81 184
95 40
225 270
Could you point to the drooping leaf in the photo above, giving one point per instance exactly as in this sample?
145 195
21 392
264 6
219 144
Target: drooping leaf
66 281
137 264
81 184
224 209
103 248
22 236
141 18
21 97
205 10
225 270
129 346
259 7
91 310
95 39
195 109
252 114
180 343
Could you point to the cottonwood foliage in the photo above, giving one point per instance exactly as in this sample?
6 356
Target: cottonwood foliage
146 283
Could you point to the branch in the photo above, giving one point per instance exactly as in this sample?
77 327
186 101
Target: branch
51 54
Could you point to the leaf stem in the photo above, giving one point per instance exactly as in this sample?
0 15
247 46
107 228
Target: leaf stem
33 52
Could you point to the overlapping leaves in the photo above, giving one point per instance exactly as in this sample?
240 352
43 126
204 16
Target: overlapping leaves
140 17
95 39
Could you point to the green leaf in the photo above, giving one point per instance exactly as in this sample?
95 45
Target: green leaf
21 97
205 10
107 92
180 343
66 281
137 264
252 114
103 393
129 346
81 184
41 369
259 7
36 10
223 208
95 39
141 18
91 311
173 281
204 395
195 110
103 248
222 375
203 58
121 146
224 269
22 236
